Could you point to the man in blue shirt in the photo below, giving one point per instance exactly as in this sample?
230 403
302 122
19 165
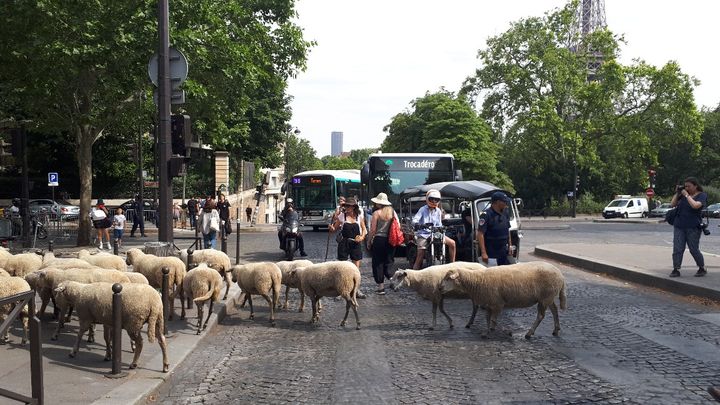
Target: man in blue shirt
493 233
430 213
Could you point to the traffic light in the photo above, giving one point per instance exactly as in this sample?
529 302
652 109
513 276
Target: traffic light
577 182
180 134
651 176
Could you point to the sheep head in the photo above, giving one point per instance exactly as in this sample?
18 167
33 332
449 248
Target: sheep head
131 255
449 282
398 279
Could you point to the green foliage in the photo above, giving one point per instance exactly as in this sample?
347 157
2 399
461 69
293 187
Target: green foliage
547 115
361 155
713 194
444 122
300 156
586 204
338 163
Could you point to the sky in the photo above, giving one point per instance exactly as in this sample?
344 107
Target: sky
374 57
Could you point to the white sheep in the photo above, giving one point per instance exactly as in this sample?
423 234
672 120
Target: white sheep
151 267
21 264
259 279
136 278
104 260
202 284
286 267
4 273
49 260
329 279
10 286
514 286
215 259
140 304
426 283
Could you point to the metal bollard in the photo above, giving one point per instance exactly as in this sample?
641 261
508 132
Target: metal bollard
117 328
50 245
187 267
198 242
164 291
116 247
223 237
36 364
237 237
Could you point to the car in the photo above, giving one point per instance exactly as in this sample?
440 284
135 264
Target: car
660 210
58 208
625 206
148 209
712 211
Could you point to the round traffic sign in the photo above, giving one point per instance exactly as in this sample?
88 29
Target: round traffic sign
178 67
650 192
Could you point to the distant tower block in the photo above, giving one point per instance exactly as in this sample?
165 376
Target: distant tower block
589 17
336 143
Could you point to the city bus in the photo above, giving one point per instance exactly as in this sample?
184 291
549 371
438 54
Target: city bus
315 193
391 173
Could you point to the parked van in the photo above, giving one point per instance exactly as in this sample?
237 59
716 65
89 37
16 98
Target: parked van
625 206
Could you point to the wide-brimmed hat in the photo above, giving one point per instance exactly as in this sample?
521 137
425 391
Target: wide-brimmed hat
500 196
381 199
350 201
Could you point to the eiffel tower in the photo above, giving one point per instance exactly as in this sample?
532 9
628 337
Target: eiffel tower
589 17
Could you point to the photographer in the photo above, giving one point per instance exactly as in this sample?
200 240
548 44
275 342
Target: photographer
688 201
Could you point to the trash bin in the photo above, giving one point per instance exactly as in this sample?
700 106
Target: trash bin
162 249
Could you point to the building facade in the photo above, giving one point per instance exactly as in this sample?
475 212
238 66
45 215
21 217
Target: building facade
336 143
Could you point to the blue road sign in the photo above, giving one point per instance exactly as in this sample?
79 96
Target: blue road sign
53 179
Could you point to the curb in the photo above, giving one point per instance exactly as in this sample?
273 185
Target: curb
544 227
628 221
143 383
630 274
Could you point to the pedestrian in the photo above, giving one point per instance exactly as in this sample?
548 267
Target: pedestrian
352 232
382 253
248 213
223 207
688 201
192 207
176 215
101 222
118 225
493 234
209 222
464 252
430 213
139 218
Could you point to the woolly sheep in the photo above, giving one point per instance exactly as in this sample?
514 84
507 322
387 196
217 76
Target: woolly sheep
4 256
286 267
11 286
4 273
49 260
215 259
426 283
93 302
151 267
202 284
329 279
21 264
514 286
136 278
259 279
104 260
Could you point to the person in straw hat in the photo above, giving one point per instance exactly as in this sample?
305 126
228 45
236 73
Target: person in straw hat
382 252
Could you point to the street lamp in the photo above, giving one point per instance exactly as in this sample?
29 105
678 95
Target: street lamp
287 159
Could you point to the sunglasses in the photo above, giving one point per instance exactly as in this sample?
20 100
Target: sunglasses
433 199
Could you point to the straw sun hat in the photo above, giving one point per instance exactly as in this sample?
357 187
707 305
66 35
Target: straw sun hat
381 199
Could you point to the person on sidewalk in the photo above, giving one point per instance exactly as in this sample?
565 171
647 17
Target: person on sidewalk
101 222
223 207
353 231
688 201
209 221
493 234
192 208
139 218
382 252
118 226
248 213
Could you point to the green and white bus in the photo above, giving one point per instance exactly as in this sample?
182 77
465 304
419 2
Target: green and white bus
315 193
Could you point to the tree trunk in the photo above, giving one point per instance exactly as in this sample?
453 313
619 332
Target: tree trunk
85 139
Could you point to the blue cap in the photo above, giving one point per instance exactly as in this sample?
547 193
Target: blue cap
500 196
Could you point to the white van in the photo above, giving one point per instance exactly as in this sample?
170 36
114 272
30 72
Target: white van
625 206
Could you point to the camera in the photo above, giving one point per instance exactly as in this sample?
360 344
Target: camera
704 227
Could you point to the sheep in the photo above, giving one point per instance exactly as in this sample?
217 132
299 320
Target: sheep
151 267
136 278
259 278
203 284
104 260
4 256
10 286
215 259
49 260
329 279
21 264
4 273
140 304
426 283
286 267
514 286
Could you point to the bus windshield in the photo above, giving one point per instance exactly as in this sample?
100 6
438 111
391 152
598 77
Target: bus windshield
313 192
391 175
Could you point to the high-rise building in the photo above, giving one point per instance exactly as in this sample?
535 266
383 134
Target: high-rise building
336 143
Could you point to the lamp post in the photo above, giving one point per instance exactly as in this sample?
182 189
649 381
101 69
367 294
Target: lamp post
287 149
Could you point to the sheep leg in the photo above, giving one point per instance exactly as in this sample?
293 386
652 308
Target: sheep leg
208 315
91 333
228 282
137 338
302 300
182 307
472 317
252 311
315 316
243 299
84 326
357 319
200 316
163 346
442 311
107 333
540 315
287 292
43 306
434 312
556 319
347 311
25 321
61 323
68 315
272 309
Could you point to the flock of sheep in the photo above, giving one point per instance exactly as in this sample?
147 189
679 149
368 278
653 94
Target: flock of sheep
84 284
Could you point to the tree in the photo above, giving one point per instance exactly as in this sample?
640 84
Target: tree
444 122
300 156
338 163
76 68
361 155
547 116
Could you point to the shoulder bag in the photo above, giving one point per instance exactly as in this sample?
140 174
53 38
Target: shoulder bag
670 216
395 234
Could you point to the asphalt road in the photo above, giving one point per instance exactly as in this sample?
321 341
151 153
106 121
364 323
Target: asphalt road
619 343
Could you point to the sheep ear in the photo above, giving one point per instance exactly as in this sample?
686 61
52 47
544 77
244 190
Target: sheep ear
453 276
401 274
293 271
